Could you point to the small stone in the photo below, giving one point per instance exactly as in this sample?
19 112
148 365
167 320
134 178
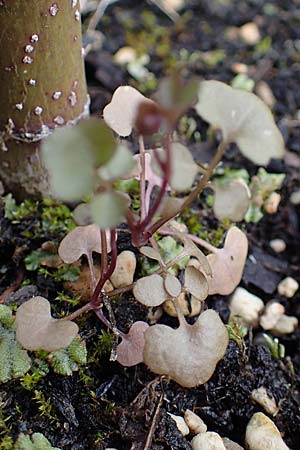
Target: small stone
180 424
262 434
268 402
295 197
125 55
230 445
124 271
239 68
250 33
207 441
194 422
189 309
272 313
288 287
264 91
247 306
285 325
272 202
278 245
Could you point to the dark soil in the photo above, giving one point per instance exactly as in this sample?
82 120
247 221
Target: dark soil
117 405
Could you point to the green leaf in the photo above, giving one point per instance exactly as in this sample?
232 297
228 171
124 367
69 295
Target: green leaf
14 361
66 361
121 163
36 442
243 118
72 154
108 209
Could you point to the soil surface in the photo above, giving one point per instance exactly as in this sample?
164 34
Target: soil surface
105 405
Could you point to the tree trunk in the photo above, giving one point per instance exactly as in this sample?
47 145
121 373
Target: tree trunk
42 85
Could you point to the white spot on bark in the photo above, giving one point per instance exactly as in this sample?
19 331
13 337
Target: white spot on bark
59 120
29 48
34 38
54 9
82 52
77 15
32 82
27 60
38 110
72 98
19 106
73 3
56 95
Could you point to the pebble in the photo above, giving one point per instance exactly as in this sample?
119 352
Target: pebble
268 402
262 434
272 202
278 245
191 309
272 313
154 314
250 33
264 91
247 306
124 271
125 55
194 422
295 197
230 445
285 325
288 287
180 424
207 441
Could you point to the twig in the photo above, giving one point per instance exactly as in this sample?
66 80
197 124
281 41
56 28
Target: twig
142 177
153 424
103 5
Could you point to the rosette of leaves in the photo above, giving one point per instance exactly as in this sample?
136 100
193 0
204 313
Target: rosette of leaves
84 161
14 360
35 442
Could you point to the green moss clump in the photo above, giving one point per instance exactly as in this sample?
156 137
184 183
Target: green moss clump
36 442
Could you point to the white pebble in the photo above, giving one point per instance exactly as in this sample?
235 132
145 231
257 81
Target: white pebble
180 424
124 271
262 434
262 397
230 445
250 33
207 441
272 202
278 245
194 422
285 325
295 197
272 313
247 306
288 287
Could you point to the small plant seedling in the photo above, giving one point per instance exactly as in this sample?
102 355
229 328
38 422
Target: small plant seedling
87 161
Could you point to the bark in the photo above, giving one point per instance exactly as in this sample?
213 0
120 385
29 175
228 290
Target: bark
42 84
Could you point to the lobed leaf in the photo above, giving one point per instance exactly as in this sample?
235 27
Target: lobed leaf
243 118
190 353
120 164
130 350
37 330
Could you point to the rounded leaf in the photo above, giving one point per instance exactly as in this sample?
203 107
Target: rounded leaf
195 283
172 285
243 118
130 350
120 113
108 209
150 291
232 200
